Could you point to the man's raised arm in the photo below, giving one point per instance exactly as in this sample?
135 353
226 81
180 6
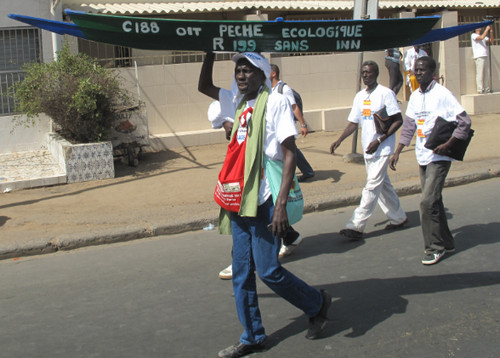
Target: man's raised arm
206 83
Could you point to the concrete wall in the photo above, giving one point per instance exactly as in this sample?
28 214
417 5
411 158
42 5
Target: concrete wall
479 103
25 139
468 70
448 56
175 105
22 139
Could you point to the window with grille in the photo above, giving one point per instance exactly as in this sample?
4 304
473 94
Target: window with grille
107 55
17 47
112 56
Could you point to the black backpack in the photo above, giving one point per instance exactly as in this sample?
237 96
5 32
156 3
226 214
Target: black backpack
296 95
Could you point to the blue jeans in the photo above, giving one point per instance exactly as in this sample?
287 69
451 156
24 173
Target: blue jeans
256 249
303 164
437 235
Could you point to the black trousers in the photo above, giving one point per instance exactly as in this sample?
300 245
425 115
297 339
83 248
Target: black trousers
395 76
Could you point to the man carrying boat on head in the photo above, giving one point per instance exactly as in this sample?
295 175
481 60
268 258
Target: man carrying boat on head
263 127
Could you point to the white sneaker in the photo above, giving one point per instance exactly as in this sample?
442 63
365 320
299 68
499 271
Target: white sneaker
286 250
227 273
432 258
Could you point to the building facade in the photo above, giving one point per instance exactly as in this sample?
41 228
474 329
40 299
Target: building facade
167 80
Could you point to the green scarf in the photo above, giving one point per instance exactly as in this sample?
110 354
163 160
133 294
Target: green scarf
253 159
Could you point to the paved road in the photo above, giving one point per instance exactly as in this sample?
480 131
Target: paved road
161 297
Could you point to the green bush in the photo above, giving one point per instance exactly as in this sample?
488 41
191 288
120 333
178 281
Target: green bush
78 94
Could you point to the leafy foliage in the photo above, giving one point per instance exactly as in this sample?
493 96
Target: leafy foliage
78 94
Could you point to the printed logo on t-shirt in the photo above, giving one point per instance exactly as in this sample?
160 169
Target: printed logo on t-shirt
367 112
420 123
244 118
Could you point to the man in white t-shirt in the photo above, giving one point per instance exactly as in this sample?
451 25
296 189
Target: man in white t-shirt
431 101
377 150
221 116
302 163
411 56
292 239
266 129
479 43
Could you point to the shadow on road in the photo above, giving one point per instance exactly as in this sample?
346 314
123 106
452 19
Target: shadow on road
358 306
3 220
413 221
469 236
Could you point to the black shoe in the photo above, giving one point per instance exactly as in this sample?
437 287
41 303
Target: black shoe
317 323
351 234
390 226
304 177
240 350
290 236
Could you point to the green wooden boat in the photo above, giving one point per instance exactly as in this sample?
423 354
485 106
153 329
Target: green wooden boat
240 36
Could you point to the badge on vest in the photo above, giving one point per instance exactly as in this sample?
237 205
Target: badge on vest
243 127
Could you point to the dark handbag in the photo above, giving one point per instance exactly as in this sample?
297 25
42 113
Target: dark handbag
442 132
382 121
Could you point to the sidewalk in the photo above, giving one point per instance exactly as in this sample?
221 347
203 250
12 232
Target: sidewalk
172 192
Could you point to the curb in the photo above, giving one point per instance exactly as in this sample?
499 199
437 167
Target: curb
68 242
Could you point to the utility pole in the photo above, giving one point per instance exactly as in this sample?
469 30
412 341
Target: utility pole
363 9
490 18
56 14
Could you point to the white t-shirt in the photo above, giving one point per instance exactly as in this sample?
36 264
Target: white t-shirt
287 92
279 126
228 103
363 107
479 48
410 56
424 108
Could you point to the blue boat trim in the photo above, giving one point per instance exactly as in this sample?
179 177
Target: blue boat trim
59 27
449 32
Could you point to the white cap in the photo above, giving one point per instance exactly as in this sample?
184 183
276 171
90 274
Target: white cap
257 60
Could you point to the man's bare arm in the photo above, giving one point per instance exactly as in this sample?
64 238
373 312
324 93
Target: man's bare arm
298 114
205 82
280 217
